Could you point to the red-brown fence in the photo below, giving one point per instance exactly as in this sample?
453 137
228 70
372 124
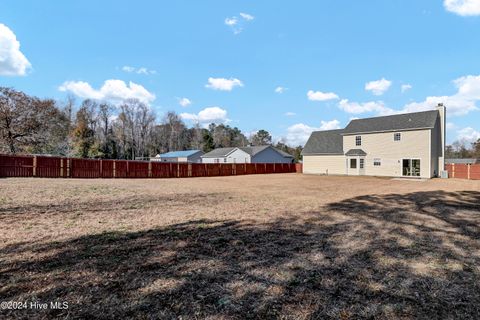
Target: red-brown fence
463 171
56 167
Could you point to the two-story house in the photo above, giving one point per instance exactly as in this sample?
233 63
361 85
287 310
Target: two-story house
401 145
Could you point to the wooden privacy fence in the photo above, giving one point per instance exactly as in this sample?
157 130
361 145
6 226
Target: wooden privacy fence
56 167
464 171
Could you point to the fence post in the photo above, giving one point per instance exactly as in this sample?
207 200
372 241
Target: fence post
34 169
468 171
128 170
68 168
101 168
61 168
114 173
453 170
149 169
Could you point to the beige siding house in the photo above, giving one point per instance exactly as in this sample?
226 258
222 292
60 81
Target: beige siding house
403 145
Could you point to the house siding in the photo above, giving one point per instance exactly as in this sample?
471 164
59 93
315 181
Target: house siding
414 144
324 164
270 156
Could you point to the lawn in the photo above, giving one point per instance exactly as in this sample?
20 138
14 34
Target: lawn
286 246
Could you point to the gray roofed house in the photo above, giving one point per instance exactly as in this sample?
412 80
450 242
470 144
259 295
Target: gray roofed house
250 154
400 145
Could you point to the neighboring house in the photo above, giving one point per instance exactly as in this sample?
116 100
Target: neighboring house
462 161
402 145
256 154
191 156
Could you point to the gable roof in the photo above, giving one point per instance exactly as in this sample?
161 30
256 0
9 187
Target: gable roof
355 152
178 154
253 150
283 153
397 122
218 153
324 142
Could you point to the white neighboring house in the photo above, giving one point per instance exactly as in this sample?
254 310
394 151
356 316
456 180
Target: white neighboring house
187 156
402 145
255 154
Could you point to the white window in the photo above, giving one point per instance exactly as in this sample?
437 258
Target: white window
377 162
362 163
397 136
225 160
216 160
358 140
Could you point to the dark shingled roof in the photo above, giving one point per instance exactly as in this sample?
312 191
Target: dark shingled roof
324 142
355 152
257 149
253 150
407 121
218 153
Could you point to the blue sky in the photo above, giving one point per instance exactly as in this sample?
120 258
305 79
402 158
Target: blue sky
289 67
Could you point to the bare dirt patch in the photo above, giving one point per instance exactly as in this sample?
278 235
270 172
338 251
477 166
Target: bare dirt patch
266 246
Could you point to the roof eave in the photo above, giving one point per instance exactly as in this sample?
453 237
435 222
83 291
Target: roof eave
382 131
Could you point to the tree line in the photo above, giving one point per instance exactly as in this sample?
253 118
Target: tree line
92 129
463 150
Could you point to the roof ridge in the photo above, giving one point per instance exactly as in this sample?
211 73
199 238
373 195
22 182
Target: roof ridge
394 115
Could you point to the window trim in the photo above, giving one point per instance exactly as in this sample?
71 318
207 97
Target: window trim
377 162
362 163
397 134
358 141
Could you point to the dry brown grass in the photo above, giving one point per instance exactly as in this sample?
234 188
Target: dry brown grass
268 246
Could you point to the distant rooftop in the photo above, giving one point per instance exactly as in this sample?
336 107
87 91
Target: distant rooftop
178 154
462 161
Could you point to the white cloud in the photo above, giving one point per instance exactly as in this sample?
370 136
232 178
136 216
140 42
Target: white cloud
247 16
299 133
12 60
463 7
290 114
321 96
141 70
468 134
223 84
378 87
450 125
371 106
114 91
280 89
184 102
236 25
231 21
207 115
458 104
406 87
330 125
